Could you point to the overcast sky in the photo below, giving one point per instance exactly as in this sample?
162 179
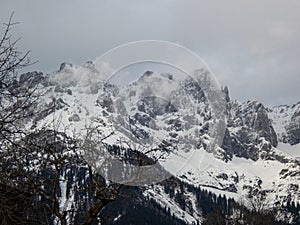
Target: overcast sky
253 46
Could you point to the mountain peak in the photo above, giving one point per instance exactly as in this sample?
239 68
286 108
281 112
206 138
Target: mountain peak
65 66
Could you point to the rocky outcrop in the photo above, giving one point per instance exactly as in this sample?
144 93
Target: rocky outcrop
293 129
31 78
65 67
226 92
105 101
250 133
74 118
286 121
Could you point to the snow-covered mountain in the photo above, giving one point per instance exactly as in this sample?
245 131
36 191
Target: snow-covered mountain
260 149
286 120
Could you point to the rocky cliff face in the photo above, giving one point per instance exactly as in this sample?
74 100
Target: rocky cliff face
249 132
286 120
293 129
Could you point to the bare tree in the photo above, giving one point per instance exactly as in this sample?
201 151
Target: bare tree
257 200
16 106
16 100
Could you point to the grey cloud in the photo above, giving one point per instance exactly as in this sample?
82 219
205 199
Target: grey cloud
253 46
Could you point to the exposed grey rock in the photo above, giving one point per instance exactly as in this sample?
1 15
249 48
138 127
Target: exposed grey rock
226 92
132 93
250 133
286 120
168 76
293 129
94 88
155 106
105 101
120 107
174 124
74 118
91 66
141 118
47 109
58 88
31 78
138 132
110 88
69 91
146 74
193 88
65 66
